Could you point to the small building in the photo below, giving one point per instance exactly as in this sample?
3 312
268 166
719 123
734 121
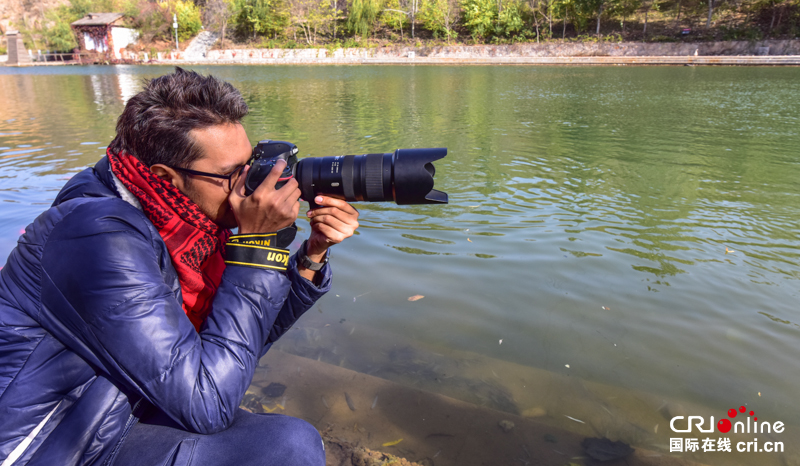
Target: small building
102 33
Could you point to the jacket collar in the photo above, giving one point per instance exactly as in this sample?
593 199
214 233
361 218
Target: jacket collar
92 182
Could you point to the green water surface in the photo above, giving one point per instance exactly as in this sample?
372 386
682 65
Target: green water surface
638 225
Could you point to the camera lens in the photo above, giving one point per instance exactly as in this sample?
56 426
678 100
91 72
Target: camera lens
405 177
356 177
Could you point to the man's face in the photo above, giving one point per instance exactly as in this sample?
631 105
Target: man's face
225 148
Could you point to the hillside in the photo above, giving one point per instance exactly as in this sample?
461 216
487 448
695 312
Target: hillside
334 24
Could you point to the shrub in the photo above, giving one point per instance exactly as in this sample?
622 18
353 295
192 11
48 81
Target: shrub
188 14
479 17
509 21
59 37
661 38
259 17
439 17
152 22
351 43
747 33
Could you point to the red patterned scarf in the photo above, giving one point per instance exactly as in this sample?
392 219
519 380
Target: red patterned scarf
195 243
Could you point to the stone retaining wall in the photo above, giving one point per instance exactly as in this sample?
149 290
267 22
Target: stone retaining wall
604 49
553 49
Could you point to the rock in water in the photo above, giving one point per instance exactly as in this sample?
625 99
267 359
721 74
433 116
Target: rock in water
603 449
670 410
274 389
251 403
506 425
534 412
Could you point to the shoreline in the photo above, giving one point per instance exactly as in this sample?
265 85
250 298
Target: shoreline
790 60
729 53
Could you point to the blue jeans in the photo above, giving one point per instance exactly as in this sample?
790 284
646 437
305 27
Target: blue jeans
253 439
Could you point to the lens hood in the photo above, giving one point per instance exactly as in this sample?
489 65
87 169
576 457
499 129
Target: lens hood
413 176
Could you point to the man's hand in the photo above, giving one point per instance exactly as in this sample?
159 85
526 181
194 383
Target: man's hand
267 209
331 223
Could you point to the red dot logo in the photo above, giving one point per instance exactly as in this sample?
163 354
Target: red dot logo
724 426
731 413
742 409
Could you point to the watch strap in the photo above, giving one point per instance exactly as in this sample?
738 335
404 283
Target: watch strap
305 261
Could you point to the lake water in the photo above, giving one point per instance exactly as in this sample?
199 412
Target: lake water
632 227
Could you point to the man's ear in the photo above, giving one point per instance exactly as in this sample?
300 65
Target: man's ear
168 174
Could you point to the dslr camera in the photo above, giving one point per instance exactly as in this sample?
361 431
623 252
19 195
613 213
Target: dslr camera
404 176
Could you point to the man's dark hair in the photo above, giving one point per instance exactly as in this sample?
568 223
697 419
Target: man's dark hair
155 125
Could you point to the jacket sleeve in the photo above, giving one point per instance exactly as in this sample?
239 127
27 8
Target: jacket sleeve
302 295
104 296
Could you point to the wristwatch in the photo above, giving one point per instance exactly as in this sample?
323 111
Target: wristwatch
302 257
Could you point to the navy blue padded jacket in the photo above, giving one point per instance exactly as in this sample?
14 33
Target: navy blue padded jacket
92 329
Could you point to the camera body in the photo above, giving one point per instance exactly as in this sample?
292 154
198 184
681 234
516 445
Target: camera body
265 155
404 176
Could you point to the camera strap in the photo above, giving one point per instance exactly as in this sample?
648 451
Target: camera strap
261 250
261 257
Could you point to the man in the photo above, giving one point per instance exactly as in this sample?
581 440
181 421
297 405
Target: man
131 321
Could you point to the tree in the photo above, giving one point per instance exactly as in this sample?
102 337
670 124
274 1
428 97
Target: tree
59 37
439 17
563 9
152 21
710 12
393 16
58 34
312 16
362 15
335 19
623 9
479 17
218 13
261 17
509 18
540 8
188 14
600 6
584 10
646 5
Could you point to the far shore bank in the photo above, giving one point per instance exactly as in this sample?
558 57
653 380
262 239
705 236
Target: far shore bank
784 52
730 53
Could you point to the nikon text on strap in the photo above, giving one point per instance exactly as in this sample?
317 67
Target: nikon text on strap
253 255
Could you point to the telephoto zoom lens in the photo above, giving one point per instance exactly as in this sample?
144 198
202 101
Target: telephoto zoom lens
405 177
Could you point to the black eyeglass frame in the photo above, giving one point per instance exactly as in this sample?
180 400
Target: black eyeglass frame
228 177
